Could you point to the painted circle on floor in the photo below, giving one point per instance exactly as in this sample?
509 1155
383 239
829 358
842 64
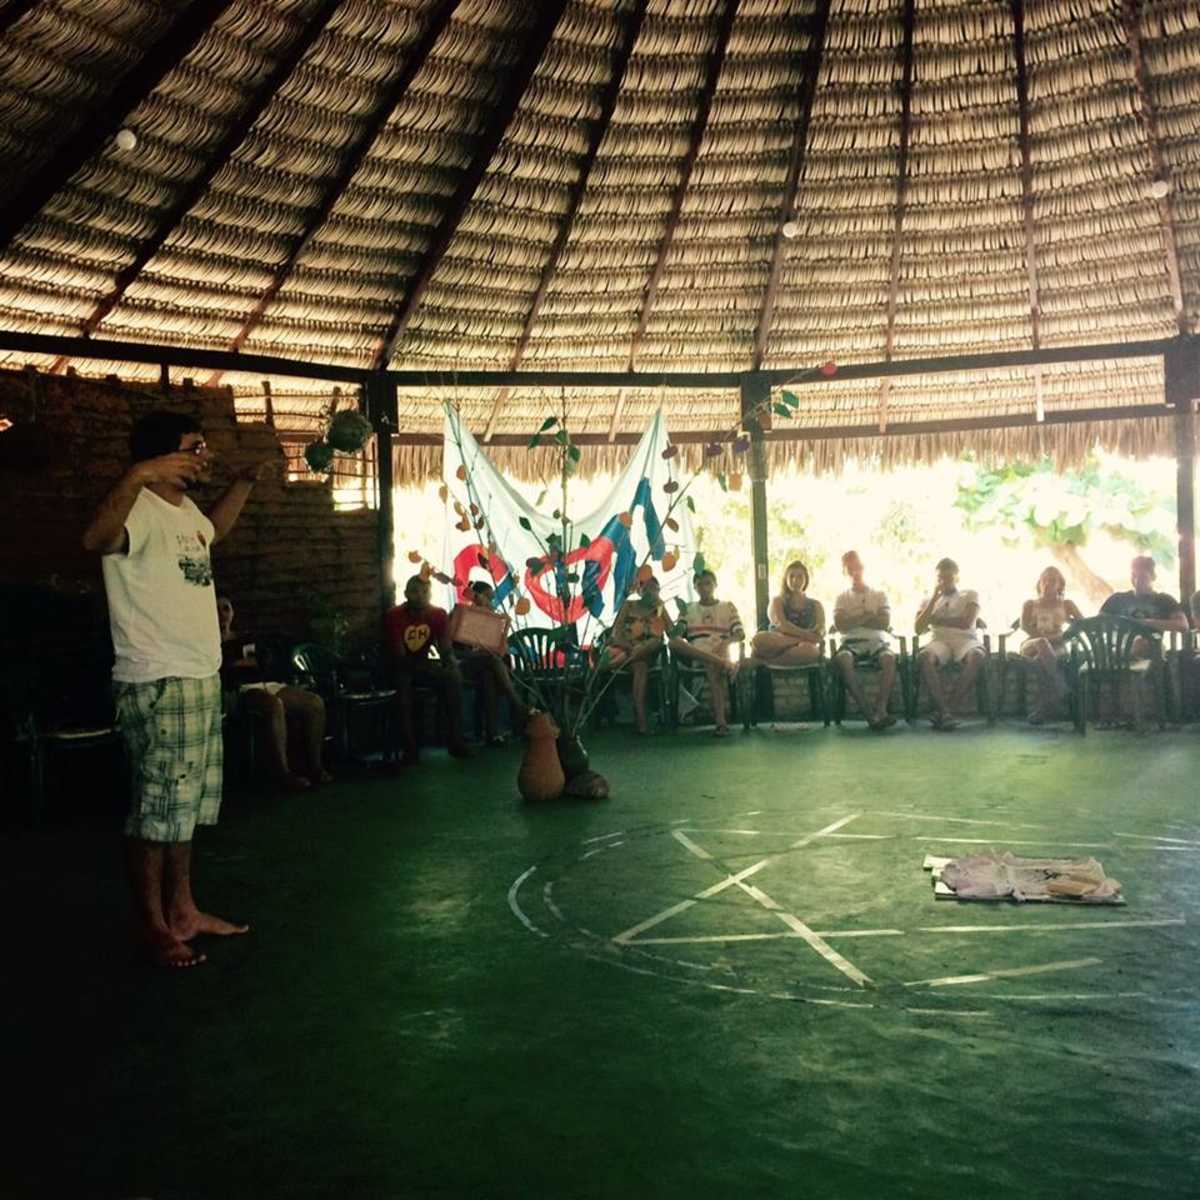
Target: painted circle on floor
845 914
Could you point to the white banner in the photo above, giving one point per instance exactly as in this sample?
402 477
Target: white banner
586 582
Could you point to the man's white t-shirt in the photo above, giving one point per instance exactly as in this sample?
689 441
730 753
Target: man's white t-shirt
953 607
856 606
161 602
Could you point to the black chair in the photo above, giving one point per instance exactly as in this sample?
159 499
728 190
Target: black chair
686 671
658 684
548 666
838 684
762 678
1103 650
985 698
316 668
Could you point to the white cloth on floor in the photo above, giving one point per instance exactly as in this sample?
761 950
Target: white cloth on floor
998 876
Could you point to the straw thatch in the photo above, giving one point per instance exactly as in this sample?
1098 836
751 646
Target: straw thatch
960 188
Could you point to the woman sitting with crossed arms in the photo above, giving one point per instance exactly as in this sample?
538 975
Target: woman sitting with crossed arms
797 625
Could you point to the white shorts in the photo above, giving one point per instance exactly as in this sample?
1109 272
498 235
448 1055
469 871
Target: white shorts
943 650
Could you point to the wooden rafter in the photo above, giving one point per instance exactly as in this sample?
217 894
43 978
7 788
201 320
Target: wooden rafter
535 43
1030 224
712 76
632 26
812 71
111 350
906 90
188 196
107 117
1131 12
351 159
13 12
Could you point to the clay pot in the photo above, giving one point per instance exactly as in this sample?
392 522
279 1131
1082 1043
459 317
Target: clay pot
572 755
541 775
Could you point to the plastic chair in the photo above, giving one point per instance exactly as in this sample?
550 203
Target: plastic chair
316 668
838 684
687 670
1102 651
814 672
983 684
547 664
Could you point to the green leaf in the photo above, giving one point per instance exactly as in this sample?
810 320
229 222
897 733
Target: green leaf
789 398
541 499
781 410
549 423
524 523
572 577
698 563
690 503
584 541
562 437
575 453
722 481
534 442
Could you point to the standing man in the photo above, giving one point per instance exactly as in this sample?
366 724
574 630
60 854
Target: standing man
952 615
162 607
863 617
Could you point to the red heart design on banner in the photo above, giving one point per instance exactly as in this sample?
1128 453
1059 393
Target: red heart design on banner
468 559
600 552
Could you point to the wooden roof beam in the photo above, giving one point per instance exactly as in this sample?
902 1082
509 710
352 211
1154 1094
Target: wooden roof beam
1030 224
106 118
712 76
535 42
352 158
812 72
608 103
906 90
236 134
1131 14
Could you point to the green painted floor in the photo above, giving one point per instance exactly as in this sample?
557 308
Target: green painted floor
392 1029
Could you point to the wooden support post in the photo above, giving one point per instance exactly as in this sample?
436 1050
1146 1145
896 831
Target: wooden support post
755 391
380 397
1181 379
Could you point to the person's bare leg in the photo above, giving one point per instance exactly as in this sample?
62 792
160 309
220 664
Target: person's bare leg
309 709
966 679
845 664
184 919
798 654
718 684
639 669
887 678
932 677
271 710
697 654
768 646
144 863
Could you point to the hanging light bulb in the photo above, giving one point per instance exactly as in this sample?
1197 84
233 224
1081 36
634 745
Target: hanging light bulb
791 229
1160 189
126 139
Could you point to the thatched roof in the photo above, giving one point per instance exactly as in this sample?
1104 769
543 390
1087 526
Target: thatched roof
604 184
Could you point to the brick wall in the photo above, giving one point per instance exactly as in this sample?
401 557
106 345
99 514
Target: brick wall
68 444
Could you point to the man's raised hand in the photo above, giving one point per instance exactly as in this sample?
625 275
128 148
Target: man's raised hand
177 469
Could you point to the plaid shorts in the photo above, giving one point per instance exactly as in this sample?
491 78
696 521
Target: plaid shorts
172 732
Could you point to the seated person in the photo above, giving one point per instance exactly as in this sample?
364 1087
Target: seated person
491 672
952 616
797 625
276 703
706 630
1044 622
636 639
412 629
863 617
1156 610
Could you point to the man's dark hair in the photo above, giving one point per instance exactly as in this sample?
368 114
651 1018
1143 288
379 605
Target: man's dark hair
159 433
706 573
481 587
948 564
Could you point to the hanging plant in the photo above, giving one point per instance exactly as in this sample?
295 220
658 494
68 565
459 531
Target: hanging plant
348 432
319 456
